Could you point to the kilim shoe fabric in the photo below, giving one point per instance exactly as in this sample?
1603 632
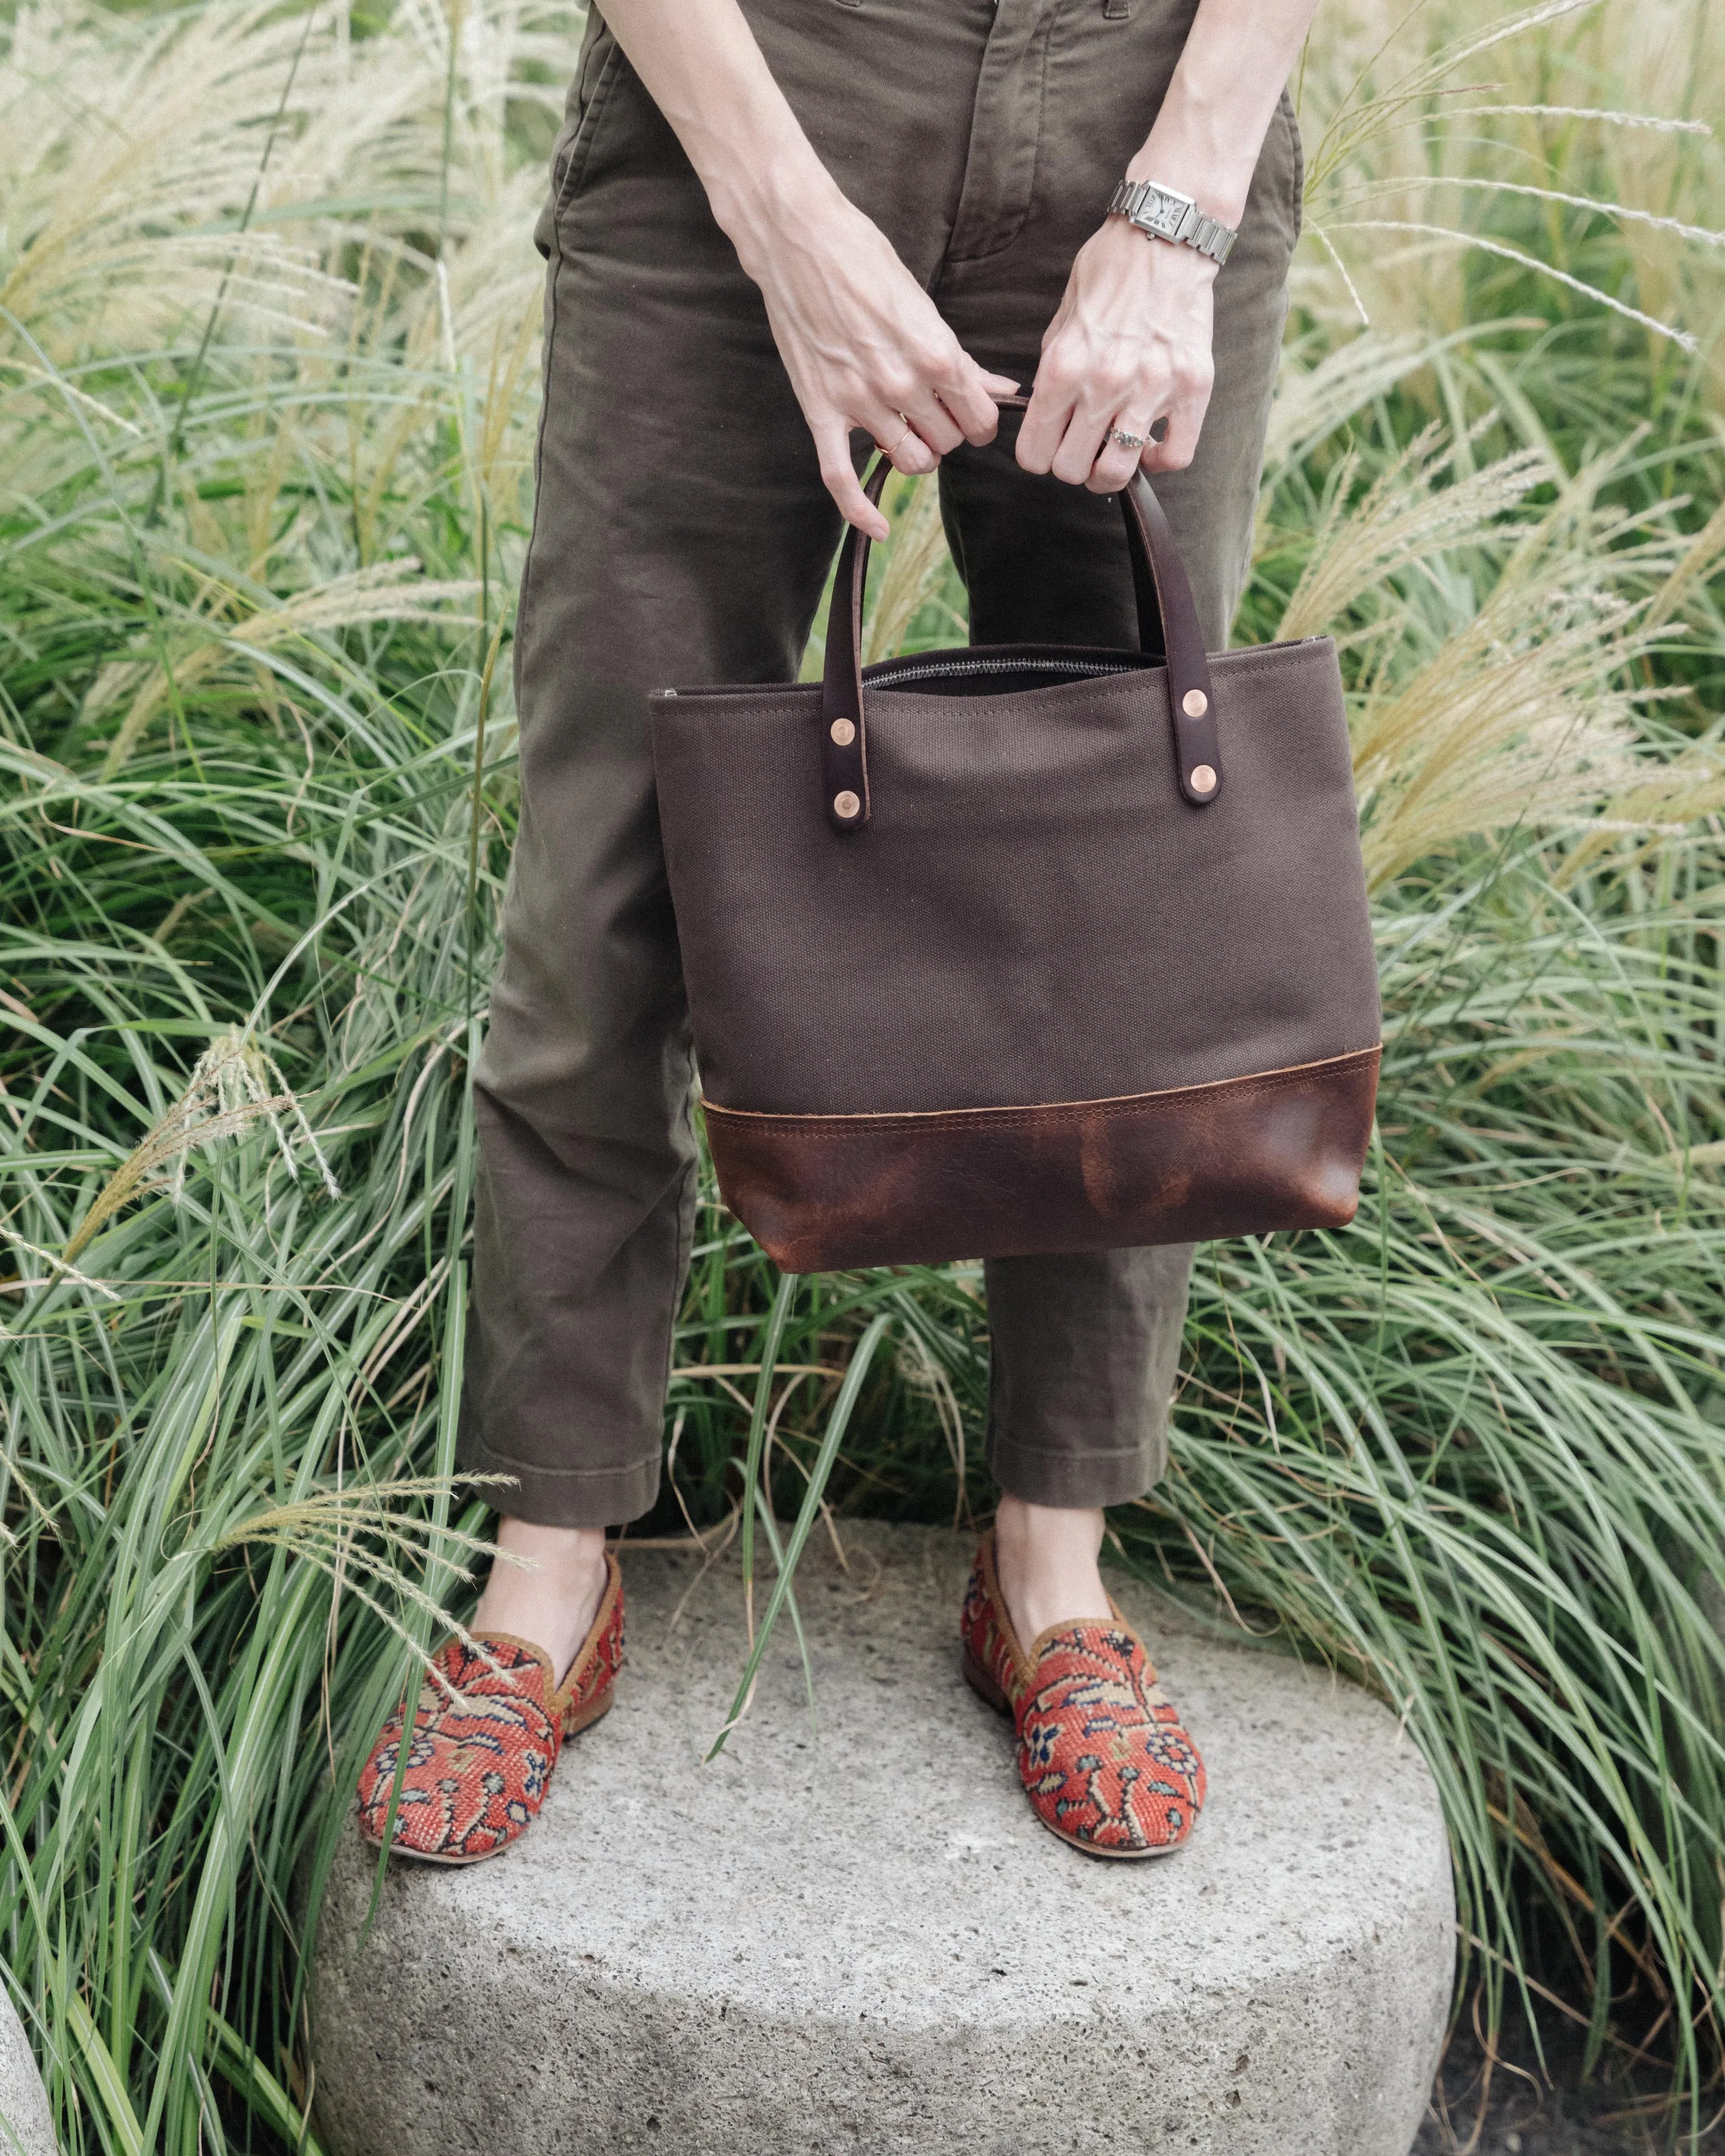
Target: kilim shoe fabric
486 1738
1101 1753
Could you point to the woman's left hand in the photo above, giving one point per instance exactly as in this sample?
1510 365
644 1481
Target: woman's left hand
1130 345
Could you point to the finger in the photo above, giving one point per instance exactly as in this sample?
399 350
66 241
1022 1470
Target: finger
832 443
935 423
896 439
968 392
1081 445
1178 444
1044 424
1118 460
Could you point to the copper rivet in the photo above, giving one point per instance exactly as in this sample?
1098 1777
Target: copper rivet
1194 704
843 732
1203 780
846 804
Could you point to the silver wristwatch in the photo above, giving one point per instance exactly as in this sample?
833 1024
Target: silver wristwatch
1165 213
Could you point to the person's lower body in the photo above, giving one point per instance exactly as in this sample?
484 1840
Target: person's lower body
682 535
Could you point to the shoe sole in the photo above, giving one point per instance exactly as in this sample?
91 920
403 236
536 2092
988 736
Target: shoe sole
571 1727
985 1686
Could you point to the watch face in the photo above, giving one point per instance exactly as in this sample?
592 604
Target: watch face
1162 212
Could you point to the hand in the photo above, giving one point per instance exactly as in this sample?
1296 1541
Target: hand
864 347
1129 346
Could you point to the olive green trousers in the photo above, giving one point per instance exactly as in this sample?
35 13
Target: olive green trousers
682 535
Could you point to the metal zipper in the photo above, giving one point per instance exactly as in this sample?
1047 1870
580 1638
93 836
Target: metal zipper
915 672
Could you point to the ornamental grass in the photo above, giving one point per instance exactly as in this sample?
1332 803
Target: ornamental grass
268 369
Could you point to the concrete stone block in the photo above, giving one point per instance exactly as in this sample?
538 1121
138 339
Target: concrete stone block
26 2123
850 1935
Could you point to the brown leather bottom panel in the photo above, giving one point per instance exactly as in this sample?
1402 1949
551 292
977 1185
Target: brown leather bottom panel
1239 1158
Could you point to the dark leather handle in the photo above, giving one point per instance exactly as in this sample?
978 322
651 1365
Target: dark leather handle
1168 621
1191 695
844 745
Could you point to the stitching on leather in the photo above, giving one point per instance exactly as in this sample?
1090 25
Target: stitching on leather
1053 1111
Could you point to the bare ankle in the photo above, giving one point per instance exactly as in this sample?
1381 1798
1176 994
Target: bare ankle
1046 1558
544 1588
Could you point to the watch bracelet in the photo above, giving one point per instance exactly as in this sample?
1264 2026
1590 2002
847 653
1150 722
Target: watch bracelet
1205 234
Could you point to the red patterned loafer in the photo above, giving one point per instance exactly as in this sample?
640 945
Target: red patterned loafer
1103 1758
481 1751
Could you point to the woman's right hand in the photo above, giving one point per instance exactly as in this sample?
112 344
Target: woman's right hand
863 345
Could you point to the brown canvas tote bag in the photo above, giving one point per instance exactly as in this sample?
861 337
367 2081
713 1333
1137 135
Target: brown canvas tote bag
1019 948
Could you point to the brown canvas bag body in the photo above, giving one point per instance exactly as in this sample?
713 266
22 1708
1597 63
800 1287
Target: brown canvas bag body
1021 949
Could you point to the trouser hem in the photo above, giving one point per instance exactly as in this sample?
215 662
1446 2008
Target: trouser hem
1077 1482
566 1497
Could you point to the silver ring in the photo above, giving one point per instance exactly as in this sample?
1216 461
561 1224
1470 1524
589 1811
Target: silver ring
1127 441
